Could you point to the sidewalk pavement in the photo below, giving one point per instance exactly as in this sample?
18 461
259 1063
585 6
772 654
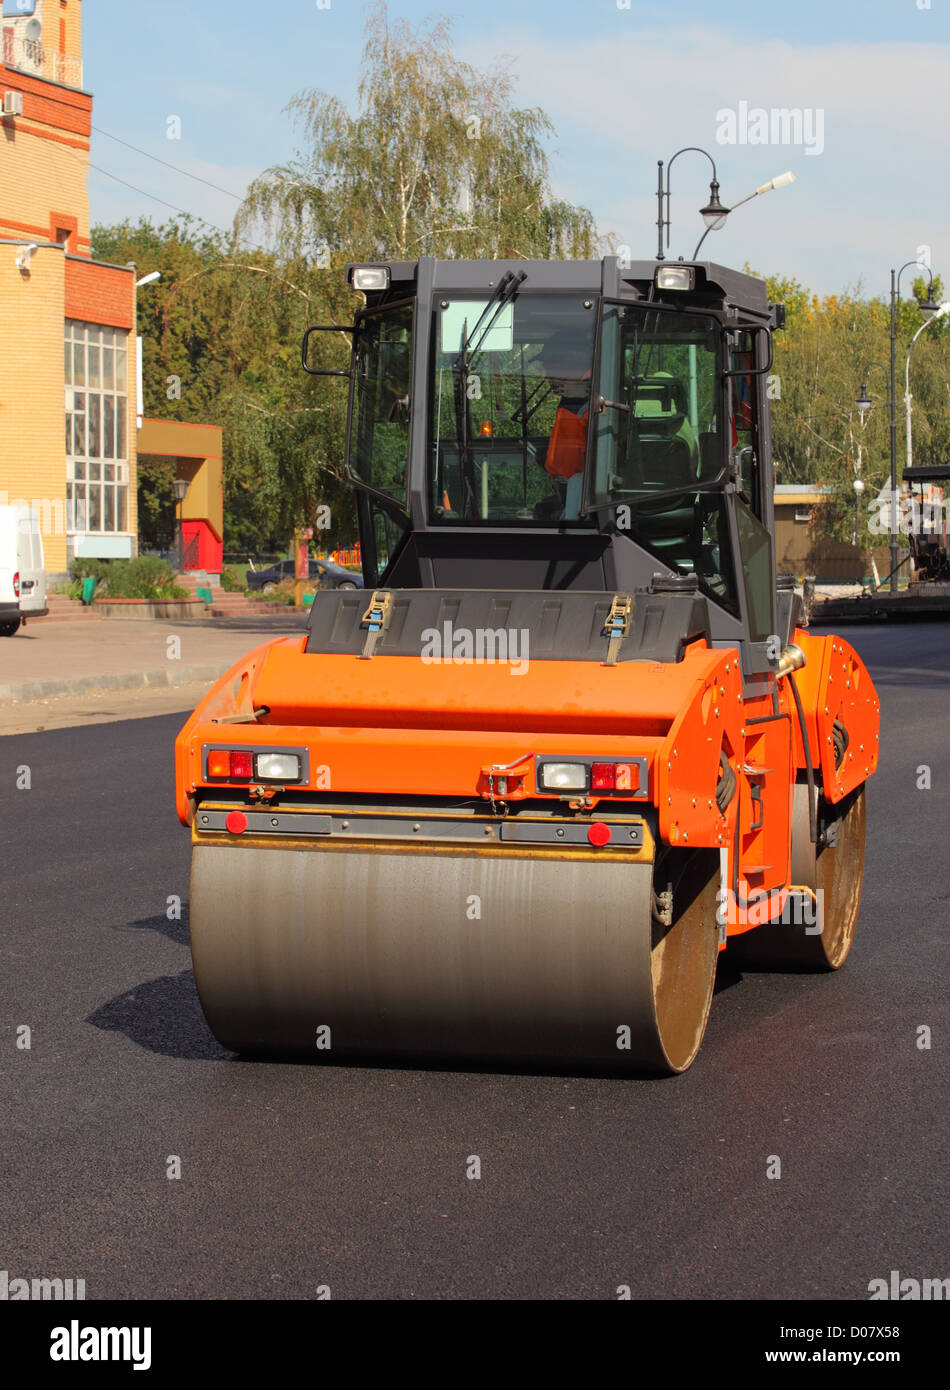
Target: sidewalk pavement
49 659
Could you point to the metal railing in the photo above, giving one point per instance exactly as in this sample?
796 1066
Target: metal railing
190 554
32 57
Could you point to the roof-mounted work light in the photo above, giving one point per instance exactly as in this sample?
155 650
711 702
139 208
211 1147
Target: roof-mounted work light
675 277
370 277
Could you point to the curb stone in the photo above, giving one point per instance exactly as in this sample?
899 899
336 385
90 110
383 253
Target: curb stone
123 680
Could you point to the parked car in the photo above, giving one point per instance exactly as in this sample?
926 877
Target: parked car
22 568
327 575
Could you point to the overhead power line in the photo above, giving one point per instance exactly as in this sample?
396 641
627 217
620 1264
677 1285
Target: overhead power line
197 177
164 201
144 193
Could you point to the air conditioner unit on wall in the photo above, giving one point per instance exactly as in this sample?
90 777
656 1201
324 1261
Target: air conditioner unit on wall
13 103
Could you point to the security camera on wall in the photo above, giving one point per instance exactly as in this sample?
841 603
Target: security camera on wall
26 255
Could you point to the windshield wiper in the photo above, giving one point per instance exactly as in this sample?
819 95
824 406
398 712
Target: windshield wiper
532 401
503 294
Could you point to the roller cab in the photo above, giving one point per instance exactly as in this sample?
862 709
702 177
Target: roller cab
511 801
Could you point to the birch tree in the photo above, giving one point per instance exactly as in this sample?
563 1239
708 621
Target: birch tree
436 160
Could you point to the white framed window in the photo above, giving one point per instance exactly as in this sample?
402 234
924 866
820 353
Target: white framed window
803 513
95 359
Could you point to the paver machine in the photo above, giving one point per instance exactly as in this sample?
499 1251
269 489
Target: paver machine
511 802
929 547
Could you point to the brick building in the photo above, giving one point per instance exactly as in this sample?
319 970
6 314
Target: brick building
70 428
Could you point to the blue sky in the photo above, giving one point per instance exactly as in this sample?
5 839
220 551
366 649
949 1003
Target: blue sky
624 88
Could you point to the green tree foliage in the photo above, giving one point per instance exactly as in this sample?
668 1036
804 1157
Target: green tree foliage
436 161
830 347
157 504
221 337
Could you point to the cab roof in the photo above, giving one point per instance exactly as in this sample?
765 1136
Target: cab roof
715 285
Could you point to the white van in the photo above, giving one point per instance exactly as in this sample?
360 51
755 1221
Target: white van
22 568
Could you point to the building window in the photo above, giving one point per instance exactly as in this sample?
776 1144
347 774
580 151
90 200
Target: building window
803 513
97 467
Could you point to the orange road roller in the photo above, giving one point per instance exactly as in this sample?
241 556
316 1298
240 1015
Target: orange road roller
573 739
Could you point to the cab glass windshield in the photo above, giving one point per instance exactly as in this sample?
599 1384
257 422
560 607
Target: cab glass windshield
511 403
659 453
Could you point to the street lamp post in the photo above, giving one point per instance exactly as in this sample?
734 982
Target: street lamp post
181 488
149 279
928 309
713 214
864 401
858 486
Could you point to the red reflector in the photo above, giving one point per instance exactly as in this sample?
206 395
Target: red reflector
236 822
602 777
599 834
628 777
242 766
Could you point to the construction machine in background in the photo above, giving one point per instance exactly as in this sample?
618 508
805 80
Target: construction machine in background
921 517
510 803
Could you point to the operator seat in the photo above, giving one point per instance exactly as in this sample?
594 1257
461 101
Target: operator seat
671 526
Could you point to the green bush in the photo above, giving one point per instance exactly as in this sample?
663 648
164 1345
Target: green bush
85 567
230 582
145 577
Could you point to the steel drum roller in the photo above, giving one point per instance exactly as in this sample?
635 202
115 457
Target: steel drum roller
452 955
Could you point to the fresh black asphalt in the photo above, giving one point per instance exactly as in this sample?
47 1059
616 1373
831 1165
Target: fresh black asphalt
299 1176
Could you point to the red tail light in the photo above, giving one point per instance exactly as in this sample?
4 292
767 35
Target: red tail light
242 766
16 584
236 766
615 777
277 765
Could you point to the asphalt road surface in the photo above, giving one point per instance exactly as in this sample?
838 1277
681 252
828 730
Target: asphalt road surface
298 1176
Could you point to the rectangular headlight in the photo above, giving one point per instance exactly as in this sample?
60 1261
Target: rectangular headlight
564 777
675 277
371 277
277 767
